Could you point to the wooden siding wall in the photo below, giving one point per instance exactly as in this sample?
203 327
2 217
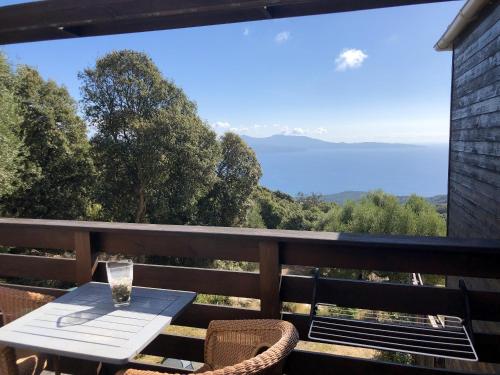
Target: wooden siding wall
474 175
474 180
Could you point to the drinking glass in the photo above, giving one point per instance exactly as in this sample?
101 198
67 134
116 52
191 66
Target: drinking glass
120 276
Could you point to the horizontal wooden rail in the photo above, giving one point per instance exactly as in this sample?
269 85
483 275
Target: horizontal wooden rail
413 255
38 238
200 315
200 280
298 363
35 267
393 297
179 245
475 258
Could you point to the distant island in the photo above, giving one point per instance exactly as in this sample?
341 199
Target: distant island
299 143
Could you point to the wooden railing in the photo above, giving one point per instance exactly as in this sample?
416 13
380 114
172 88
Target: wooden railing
272 249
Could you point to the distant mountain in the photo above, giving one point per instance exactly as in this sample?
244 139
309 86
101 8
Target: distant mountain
295 143
344 196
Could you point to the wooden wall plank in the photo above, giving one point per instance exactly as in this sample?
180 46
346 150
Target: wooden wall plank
473 182
483 148
490 120
487 92
476 83
480 161
486 106
487 221
464 64
482 203
477 135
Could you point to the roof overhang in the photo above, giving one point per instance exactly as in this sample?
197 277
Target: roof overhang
56 19
467 14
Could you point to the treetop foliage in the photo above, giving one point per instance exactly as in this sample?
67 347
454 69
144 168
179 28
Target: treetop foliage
376 213
55 169
12 149
157 160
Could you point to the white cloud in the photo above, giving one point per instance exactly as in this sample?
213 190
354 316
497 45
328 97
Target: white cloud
298 131
246 31
221 125
292 131
320 131
286 130
239 130
351 58
282 37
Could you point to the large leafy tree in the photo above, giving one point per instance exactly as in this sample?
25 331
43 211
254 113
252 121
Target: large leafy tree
11 146
156 158
57 170
238 174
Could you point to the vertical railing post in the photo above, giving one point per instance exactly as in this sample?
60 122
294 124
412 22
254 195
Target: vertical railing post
84 257
270 279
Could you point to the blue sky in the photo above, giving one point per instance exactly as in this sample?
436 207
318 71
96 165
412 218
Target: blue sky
352 77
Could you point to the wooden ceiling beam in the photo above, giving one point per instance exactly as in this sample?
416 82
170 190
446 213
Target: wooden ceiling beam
60 19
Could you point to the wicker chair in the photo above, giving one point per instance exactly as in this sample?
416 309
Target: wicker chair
243 347
14 304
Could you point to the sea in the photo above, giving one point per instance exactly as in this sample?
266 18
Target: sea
399 170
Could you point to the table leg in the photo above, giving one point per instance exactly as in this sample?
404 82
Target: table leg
63 365
57 364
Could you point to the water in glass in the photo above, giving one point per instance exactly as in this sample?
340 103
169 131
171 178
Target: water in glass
120 276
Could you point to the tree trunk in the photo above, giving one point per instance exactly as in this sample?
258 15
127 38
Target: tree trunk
140 215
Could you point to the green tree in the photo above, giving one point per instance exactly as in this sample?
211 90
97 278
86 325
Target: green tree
156 158
238 174
381 213
11 146
57 170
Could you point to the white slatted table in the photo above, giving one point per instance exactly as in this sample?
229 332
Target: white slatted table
85 324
